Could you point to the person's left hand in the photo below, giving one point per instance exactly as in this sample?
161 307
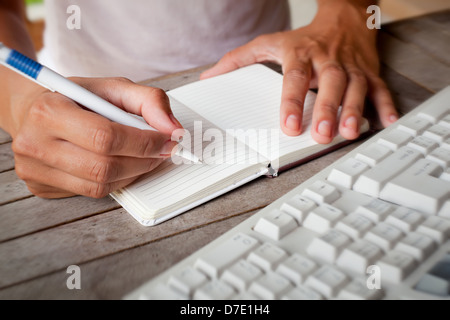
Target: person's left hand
336 53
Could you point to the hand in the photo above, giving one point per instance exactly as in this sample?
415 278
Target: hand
337 54
62 149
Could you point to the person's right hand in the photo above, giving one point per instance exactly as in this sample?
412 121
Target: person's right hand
62 149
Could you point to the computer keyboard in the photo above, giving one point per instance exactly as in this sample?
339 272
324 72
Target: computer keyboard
373 225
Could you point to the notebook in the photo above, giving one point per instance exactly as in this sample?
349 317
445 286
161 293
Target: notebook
232 124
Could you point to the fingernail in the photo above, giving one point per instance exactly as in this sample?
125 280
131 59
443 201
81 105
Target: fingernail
324 128
169 148
293 122
351 123
175 121
393 118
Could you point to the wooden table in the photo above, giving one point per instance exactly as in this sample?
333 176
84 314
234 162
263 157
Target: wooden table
40 239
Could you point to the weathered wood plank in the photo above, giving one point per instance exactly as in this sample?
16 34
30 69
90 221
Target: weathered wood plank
4 136
413 63
34 214
426 34
113 276
6 157
406 94
12 188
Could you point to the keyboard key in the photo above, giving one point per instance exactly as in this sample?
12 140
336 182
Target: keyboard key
346 173
423 144
384 235
395 139
321 192
298 207
373 154
376 210
418 188
432 284
270 286
441 156
445 210
327 281
433 114
438 133
187 280
323 218
445 122
214 290
354 225
297 268
267 256
162 292
328 246
275 225
372 181
436 228
417 245
396 266
302 293
358 290
358 256
405 219
228 252
241 275
414 125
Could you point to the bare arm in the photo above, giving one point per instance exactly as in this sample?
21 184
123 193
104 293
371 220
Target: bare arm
60 149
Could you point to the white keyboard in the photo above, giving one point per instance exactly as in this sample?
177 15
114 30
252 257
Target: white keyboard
374 225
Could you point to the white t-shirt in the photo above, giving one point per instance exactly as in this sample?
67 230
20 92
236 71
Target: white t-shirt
141 39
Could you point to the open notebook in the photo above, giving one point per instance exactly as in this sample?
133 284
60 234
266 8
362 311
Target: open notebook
234 125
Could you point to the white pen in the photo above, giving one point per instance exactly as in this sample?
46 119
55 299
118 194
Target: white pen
57 83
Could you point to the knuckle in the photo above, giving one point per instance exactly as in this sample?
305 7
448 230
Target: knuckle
104 171
357 76
335 70
98 190
103 139
328 107
297 75
295 101
21 145
40 111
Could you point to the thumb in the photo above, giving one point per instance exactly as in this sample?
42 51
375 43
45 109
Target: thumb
235 59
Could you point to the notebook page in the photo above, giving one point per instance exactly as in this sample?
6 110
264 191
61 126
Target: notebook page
175 180
246 103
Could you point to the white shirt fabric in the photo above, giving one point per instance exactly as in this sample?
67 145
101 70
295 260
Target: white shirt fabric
142 39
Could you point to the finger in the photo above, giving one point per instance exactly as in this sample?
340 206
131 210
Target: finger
297 75
332 83
150 103
353 103
255 51
97 134
382 99
89 166
48 182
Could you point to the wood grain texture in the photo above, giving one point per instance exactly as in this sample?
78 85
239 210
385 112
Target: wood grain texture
40 238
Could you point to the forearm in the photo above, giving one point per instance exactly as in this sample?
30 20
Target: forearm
13 33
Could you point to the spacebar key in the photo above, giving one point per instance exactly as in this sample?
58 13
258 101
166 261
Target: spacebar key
213 263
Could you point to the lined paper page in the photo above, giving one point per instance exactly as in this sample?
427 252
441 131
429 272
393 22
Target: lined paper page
175 180
248 100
